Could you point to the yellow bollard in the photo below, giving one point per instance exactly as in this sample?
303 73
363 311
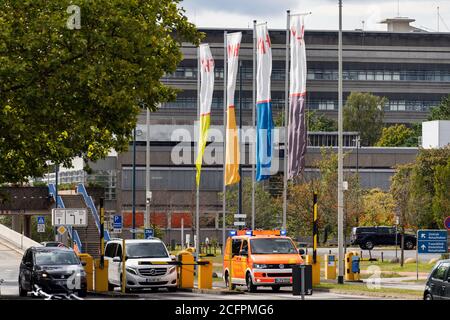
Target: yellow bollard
330 267
315 268
205 274
352 260
101 276
89 269
186 270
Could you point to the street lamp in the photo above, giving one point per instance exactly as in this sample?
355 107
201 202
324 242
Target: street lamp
340 157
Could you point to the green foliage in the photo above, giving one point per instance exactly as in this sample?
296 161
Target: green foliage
267 210
378 208
315 122
420 189
441 112
67 93
396 136
363 112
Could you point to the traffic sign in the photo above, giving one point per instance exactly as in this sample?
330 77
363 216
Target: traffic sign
447 223
240 216
61 230
40 228
117 222
40 220
148 233
432 241
69 217
239 223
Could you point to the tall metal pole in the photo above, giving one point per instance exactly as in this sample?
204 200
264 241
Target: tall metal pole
134 186
340 159
240 130
286 118
147 173
224 187
253 153
197 198
58 237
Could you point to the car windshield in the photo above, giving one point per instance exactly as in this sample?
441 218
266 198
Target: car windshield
268 246
146 250
56 257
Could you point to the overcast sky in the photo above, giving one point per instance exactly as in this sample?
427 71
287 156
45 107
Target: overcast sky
241 13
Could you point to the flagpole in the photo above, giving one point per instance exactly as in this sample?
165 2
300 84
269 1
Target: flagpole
224 189
340 158
253 156
286 120
197 198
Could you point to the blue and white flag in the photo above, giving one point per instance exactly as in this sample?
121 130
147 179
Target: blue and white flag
264 121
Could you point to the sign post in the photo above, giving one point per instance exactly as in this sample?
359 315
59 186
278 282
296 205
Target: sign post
430 241
40 224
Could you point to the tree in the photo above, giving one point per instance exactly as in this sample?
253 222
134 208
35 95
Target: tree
67 93
363 112
396 136
441 112
267 208
441 199
378 208
315 122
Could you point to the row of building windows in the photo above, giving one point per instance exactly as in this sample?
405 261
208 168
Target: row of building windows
321 74
312 104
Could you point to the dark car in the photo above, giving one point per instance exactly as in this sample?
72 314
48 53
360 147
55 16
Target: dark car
53 244
53 269
369 237
438 282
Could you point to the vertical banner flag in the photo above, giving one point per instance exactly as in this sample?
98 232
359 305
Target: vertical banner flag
232 152
206 92
297 122
264 122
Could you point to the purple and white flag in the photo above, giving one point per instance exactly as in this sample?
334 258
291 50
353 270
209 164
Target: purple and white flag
297 135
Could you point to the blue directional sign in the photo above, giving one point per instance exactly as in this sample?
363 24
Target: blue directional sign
432 241
117 222
148 233
40 220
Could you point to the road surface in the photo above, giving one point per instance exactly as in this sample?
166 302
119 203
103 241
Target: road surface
9 270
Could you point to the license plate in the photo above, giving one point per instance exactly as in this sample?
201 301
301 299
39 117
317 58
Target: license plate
153 280
282 280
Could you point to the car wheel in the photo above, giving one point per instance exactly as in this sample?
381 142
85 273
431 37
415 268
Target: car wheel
22 291
111 287
428 296
362 247
250 286
276 288
82 293
369 245
409 245
172 289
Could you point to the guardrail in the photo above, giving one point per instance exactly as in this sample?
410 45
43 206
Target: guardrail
72 232
81 189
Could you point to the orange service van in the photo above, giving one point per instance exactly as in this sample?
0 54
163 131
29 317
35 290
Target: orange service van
260 258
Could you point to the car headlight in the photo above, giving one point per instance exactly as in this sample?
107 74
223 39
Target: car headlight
81 273
44 275
131 270
260 266
172 269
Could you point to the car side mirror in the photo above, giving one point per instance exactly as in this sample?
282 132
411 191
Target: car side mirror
117 259
301 252
173 257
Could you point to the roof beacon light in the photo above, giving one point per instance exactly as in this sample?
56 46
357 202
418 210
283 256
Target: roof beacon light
283 232
248 232
232 233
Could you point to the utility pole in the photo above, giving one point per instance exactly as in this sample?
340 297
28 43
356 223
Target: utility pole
340 158
147 173
286 119
133 213
240 131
